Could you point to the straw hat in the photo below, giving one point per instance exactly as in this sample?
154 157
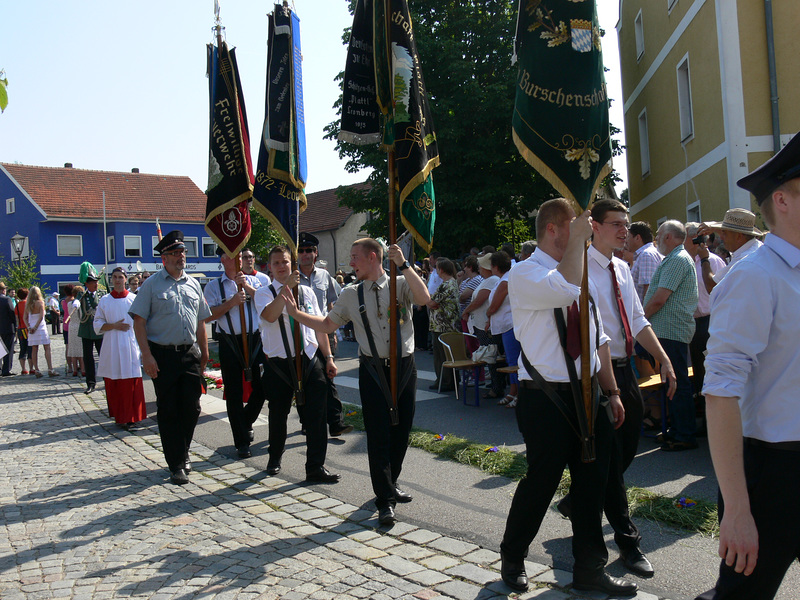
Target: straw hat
739 220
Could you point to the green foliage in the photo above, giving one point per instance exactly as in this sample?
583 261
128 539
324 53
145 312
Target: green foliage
3 91
22 273
263 235
465 49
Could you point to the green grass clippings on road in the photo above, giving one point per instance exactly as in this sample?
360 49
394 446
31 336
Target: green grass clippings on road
700 517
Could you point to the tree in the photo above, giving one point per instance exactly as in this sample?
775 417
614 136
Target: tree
3 91
483 184
263 236
22 273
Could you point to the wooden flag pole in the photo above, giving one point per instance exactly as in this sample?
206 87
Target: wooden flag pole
393 311
588 453
299 398
248 372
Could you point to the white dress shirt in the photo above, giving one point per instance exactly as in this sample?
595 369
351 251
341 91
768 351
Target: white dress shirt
606 300
434 281
500 321
212 295
753 350
703 306
535 288
745 250
271 338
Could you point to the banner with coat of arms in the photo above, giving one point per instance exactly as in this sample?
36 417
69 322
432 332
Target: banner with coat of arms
230 170
560 122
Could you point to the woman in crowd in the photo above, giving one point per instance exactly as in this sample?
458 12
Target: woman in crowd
444 317
37 331
72 322
120 358
469 283
25 350
499 313
66 304
477 323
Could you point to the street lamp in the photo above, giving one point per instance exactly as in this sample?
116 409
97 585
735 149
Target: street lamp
18 243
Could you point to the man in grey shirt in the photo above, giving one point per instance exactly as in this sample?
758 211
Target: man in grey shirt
169 316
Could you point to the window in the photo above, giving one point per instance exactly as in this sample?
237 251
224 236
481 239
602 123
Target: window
11 206
110 248
693 213
209 248
69 245
133 245
685 100
638 33
644 143
191 247
154 239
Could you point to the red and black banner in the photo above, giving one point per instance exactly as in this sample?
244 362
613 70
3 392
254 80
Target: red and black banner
230 169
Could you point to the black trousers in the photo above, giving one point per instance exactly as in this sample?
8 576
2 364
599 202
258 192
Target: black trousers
88 358
773 484
333 408
240 415
551 445
8 359
625 443
696 348
178 389
279 392
387 443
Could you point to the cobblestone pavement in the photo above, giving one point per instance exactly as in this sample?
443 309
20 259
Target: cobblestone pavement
88 513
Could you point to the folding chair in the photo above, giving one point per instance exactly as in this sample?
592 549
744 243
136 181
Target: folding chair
456 351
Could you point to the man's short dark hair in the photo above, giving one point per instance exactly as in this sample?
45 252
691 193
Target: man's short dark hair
602 207
488 249
642 229
368 245
446 265
502 261
471 262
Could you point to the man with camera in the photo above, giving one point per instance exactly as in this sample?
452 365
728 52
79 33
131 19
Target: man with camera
738 233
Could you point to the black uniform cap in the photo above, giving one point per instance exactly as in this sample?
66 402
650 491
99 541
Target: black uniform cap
307 240
172 241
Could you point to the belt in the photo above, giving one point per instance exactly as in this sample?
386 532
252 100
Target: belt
620 363
172 347
788 446
557 386
382 361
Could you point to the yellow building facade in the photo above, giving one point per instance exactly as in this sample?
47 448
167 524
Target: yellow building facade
696 87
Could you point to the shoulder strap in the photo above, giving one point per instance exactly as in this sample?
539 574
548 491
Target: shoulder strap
373 362
548 389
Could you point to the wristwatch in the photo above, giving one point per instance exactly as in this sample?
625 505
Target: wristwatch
614 392
404 266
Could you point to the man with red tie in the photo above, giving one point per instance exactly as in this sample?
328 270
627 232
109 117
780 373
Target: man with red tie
542 289
624 322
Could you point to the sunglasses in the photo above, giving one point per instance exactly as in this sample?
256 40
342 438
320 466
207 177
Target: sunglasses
305 250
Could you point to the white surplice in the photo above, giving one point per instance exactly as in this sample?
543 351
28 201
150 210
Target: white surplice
120 357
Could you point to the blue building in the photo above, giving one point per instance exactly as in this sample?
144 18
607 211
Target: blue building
63 217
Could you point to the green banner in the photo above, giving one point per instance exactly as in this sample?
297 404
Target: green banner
560 122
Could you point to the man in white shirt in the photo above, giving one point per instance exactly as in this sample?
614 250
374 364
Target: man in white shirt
540 289
752 378
623 323
281 374
739 235
226 301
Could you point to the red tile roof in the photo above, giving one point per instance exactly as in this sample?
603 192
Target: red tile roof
324 212
78 193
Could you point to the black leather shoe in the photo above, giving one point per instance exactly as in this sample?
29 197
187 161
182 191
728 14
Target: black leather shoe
90 388
386 516
636 562
604 582
513 573
273 468
322 475
244 451
179 477
402 496
337 431
564 506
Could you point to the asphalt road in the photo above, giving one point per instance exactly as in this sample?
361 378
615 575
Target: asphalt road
466 503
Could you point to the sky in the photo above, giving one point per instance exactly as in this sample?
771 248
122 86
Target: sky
113 85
